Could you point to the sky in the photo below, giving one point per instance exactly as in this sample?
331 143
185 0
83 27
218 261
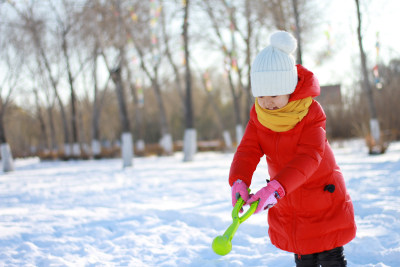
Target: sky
380 16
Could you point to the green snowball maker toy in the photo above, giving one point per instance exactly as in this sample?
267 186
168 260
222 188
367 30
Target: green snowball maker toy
222 244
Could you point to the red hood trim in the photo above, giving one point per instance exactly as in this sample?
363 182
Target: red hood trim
307 84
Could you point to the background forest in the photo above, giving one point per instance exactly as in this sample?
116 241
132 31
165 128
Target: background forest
75 75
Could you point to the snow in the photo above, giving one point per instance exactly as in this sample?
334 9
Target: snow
166 212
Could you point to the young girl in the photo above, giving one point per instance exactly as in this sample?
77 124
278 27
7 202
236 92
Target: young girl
310 212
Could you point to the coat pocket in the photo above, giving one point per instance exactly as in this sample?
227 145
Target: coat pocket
317 198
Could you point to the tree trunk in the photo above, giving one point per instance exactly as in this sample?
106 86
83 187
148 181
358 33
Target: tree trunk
127 149
2 132
126 138
188 79
166 138
374 124
190 136
98 101
76 150
7 161
249 102
43 142
53 140
298 32
96 146
123 113
138 114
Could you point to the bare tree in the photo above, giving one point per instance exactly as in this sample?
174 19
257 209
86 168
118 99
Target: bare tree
95 36
46 123
98 100
150 51
166 39
7 87
138 110
127 146
298 16
232 65
36 28
65 25
248 33
375 145
206 81
153 76
123 112
387 103
51 99
11 59
105 32
190 136
297 31
43 141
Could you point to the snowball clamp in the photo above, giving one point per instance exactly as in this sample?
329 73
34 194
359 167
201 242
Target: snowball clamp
222 244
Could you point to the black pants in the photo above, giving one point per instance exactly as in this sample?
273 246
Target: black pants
330 258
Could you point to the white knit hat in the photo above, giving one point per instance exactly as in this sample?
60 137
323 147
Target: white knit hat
274 72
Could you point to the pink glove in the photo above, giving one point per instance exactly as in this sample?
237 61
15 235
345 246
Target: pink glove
267 195
239 188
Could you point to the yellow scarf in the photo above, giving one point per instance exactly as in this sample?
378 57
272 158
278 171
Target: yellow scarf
283 119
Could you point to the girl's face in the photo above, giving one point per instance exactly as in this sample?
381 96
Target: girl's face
273 102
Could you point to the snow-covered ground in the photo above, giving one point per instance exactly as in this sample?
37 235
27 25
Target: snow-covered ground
164 212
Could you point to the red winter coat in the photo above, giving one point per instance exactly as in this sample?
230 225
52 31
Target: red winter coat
308 219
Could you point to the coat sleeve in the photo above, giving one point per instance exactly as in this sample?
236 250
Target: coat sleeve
247 156
309 152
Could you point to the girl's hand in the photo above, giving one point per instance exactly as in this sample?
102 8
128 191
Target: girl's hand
239 189
268 196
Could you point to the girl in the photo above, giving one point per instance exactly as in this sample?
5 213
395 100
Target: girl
310 212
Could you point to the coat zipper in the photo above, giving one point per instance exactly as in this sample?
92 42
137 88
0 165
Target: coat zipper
294 213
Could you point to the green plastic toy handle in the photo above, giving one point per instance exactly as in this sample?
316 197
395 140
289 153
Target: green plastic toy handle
222 245
238 206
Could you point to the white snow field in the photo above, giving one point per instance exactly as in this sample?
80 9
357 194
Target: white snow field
166 212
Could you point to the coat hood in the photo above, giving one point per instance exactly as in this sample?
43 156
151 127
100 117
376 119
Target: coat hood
307 84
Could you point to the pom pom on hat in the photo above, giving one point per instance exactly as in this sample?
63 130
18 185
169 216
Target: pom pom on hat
273 71
283 41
